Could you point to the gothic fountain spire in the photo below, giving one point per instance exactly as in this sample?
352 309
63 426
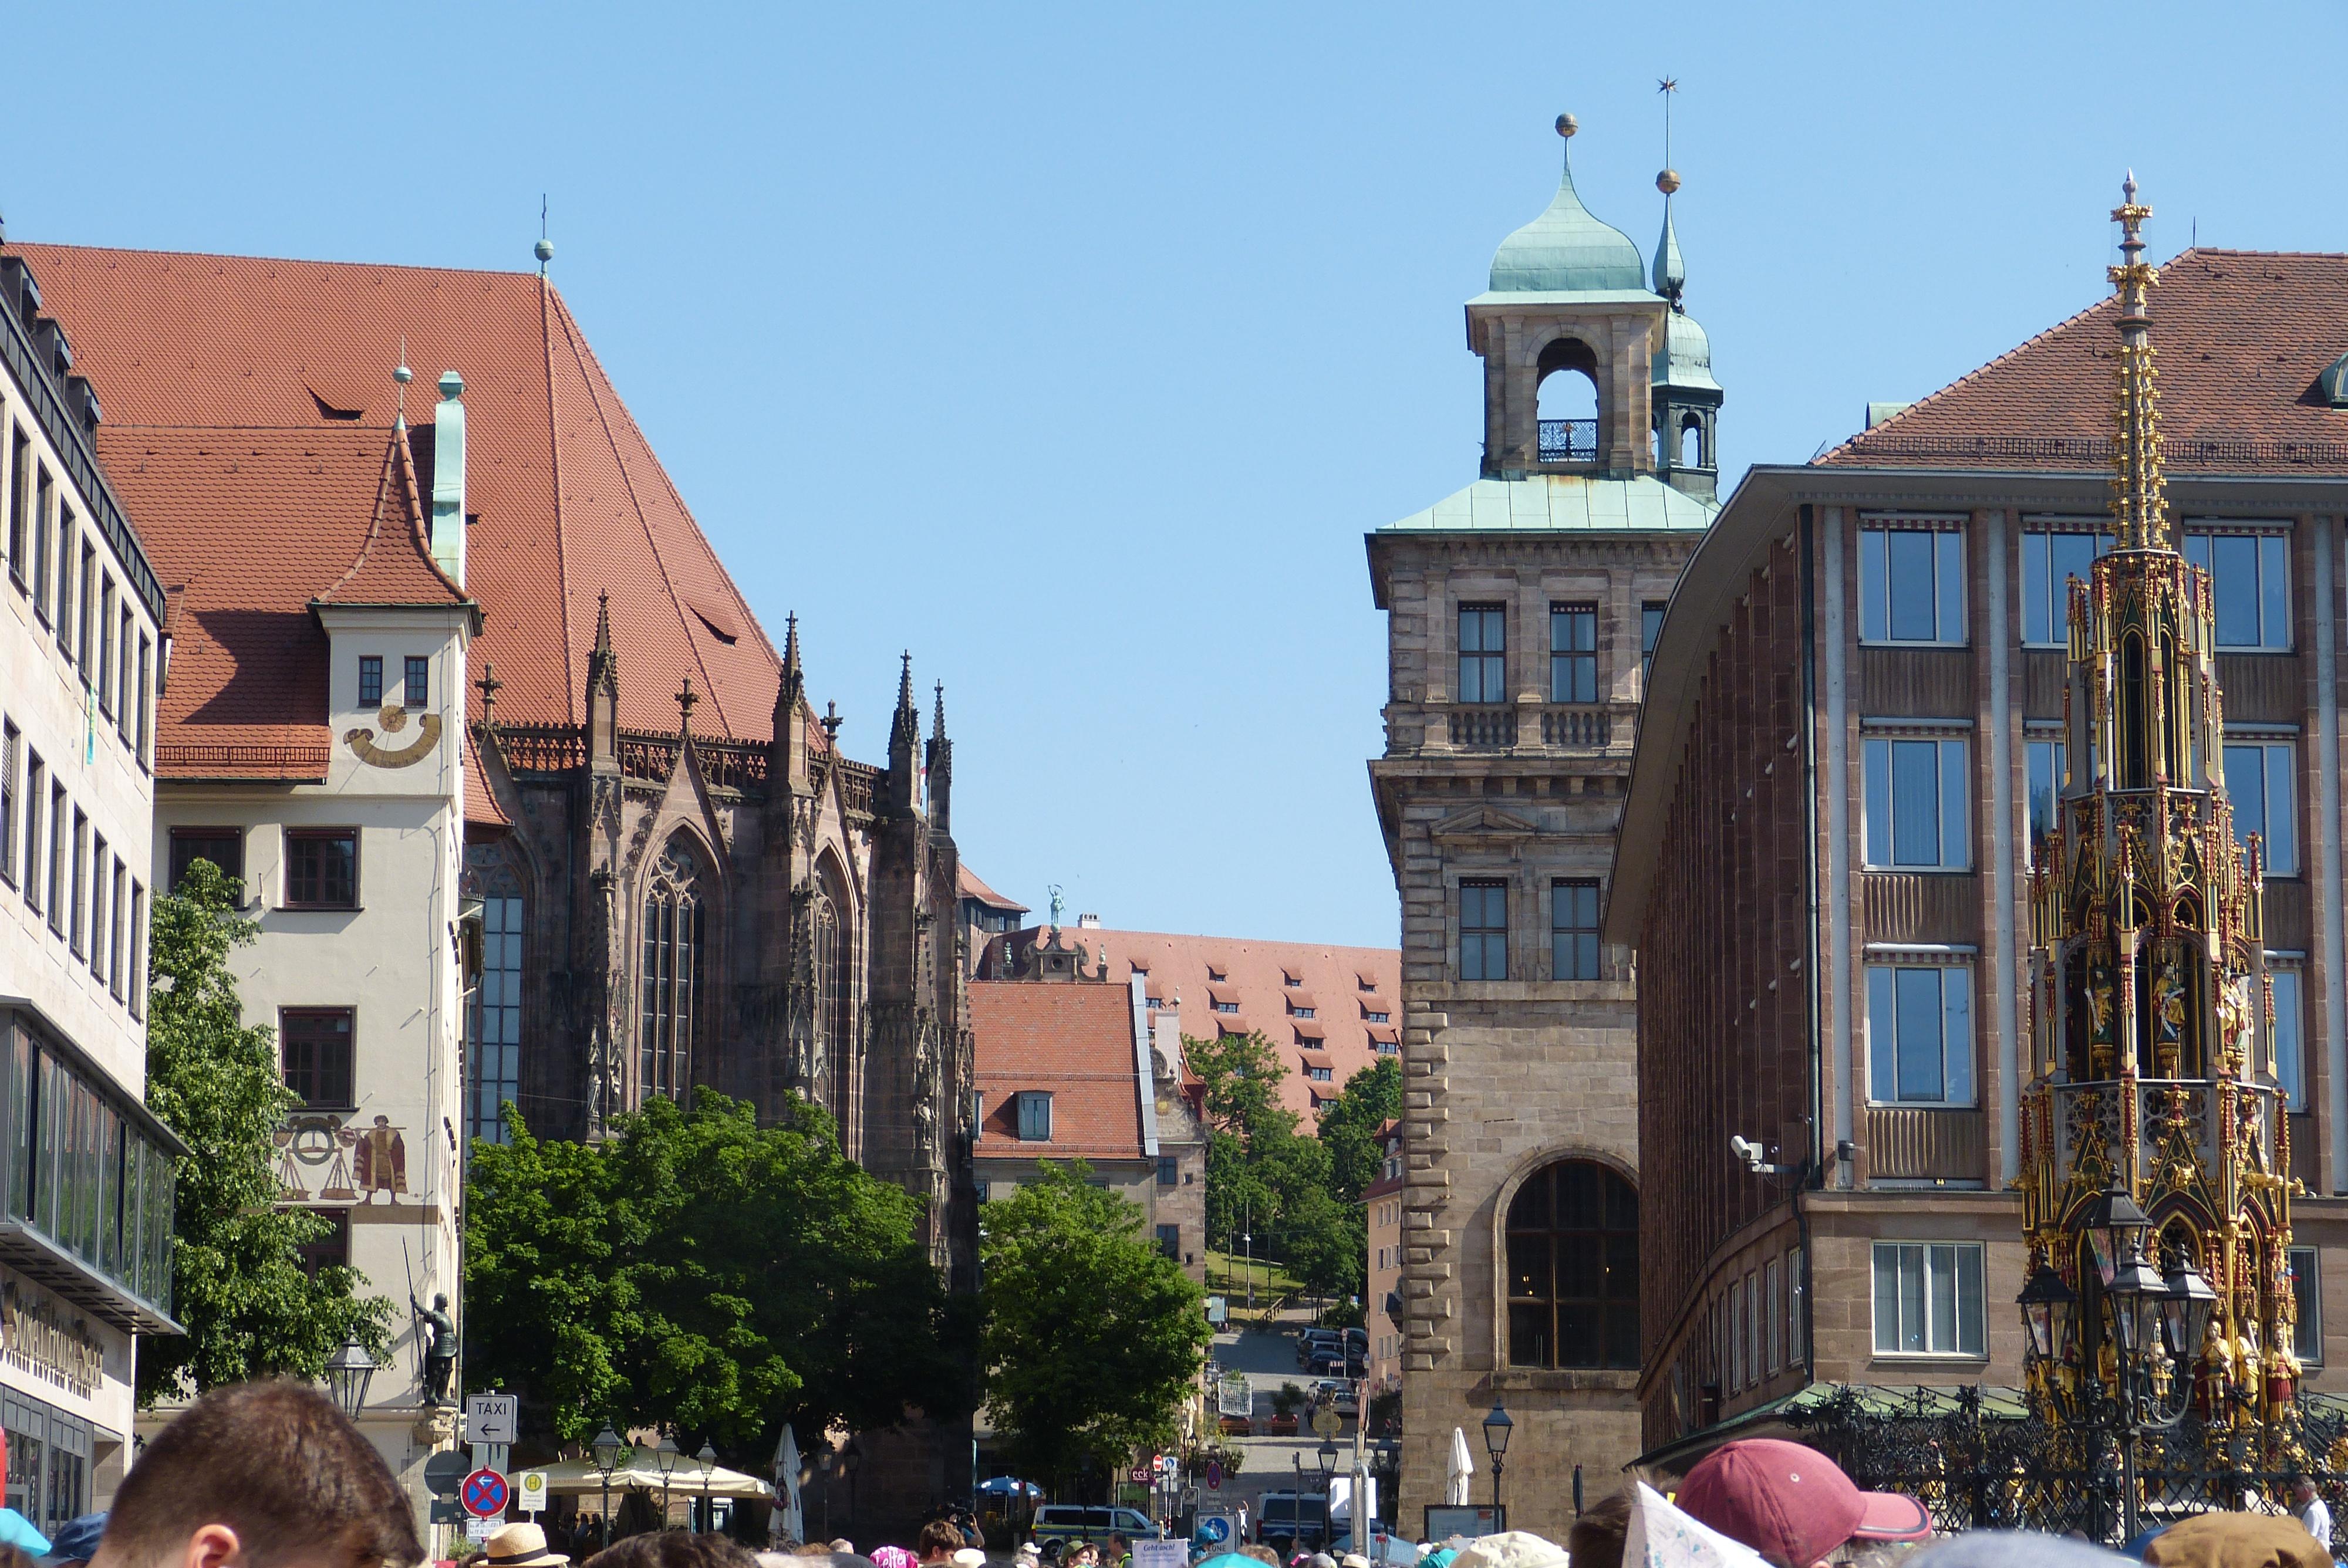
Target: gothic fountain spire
2139 503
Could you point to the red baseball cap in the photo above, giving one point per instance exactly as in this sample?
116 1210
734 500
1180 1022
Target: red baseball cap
1793 1504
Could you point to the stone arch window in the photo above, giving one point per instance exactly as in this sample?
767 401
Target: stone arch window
675 926
1692 453
1567 384
493 1004
835 940
1574 1269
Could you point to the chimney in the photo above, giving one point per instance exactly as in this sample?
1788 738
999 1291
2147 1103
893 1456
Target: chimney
448 478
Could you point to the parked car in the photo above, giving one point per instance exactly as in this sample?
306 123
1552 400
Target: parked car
1312 1342
1300 1517
1334 1363
1058 1523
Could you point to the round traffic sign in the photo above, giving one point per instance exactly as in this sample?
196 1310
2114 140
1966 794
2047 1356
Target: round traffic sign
444 1472
1214 1476
486 1494
1212 1530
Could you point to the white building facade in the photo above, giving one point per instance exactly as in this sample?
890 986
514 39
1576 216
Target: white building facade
85 1186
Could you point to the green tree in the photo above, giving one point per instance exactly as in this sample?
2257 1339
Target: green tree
249 1309
1093 1336
1350 1124
698 1271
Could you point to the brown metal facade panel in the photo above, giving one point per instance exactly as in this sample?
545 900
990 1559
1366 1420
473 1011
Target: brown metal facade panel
1916 682
2290 921
1912 906
1906 1142
2263 688
2044 673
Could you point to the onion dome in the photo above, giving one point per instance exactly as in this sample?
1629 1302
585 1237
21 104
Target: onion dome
1567 250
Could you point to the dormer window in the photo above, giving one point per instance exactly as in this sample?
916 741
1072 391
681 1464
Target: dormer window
1035 1116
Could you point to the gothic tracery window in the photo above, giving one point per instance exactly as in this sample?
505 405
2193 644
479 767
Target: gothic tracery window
675 903
493 1008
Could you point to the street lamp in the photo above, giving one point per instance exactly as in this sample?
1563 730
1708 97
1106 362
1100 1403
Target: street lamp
1327 1457
664 1459
2047 1307
707 1460
2185 1310
348 1372
611 1452
1497 1428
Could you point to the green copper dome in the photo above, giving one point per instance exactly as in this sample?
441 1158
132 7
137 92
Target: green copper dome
1685 359
1567 250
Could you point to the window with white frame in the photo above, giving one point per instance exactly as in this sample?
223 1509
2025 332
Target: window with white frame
2307 1294
2044 761
2290 1036
1793 1307
2258 781
1915 809
1927 1298
1911 583
2051 558
1919 1034
1774 1305
2249 584
1035 1116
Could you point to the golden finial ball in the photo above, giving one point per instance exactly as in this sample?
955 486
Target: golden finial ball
1567 125
1668 181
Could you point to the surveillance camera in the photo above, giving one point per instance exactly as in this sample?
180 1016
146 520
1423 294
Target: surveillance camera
1744 1148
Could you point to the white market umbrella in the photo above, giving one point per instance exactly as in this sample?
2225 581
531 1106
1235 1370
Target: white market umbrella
789 1523
580 1478
1455 1479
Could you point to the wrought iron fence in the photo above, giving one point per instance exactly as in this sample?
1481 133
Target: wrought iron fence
2001 1464
1569 441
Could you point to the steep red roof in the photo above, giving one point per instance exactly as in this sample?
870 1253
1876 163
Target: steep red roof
395 563
247 528
1255 979
1073 1040
570 498
2239 337
481 807
968 885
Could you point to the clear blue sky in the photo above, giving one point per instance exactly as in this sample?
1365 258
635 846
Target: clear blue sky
1075 347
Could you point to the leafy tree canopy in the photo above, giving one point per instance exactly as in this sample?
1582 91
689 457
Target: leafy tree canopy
249 1309
1350 1124
699 1272
1094 1337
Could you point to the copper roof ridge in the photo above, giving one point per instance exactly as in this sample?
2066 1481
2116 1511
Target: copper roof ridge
277 261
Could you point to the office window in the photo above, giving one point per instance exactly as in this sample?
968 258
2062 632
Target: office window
98 915
1573 654
1773 1355
1574 1269
2258 781
81 598
493 1010
61 861
115 915
419 681
123 724
1912 585
19 454
77 935
35 792
1920 1035
2044 761
1927 1298
332 1247
12 741
1169 1242
2290 1036
1915 814
43 545
321 867
1483 653
1483 930
2050 559
2250 582
1651 626
1035 1116
223 846
137 983
1794 1338
1574 930
105 672
145 713
370 680
1169 1172
2307 1295
316 1046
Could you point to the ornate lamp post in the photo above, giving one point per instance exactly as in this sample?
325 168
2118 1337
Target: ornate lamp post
1497 1428
707 1460
664 1459
610 1451
348 1372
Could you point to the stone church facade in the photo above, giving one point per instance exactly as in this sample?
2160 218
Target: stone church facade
1518 614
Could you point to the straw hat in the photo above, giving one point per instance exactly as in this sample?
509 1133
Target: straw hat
521 1546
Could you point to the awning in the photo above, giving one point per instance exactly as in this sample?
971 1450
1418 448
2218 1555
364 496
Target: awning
578 1478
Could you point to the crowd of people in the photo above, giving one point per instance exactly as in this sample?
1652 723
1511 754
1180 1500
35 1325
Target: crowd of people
271 1475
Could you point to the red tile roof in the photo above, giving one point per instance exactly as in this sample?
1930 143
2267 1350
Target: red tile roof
2239 338
1256 977
1071 1039
968 885
570 497
247 529
481 807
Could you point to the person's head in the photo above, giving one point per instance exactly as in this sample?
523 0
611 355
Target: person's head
1118 1546
1260 1552
2302 1489
674 1548
1596 1539
937 1542
263 1475
1793 1504
1322 1560
76 1541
